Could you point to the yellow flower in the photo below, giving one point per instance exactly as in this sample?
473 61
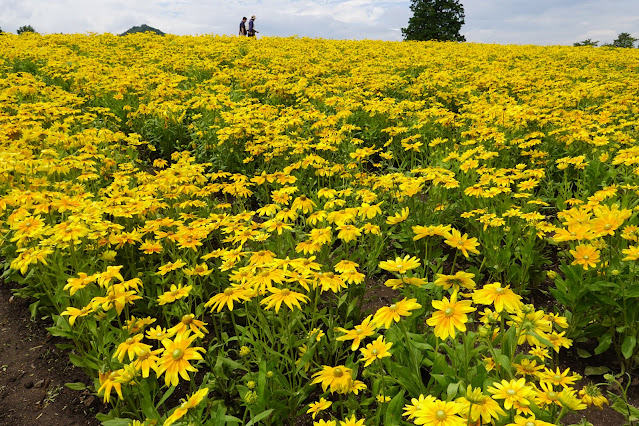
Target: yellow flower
130 346
187 323
479 406
512 392
528 421
558 378
316 407
450 316
176 293
439 413
461 278
348 232
500 297
585 255
191 402
176 356
147 360
387 314
399 217
230 295
376 350
357 334
352 422
400 265
290 298
461 242
338 379
75 313
591 395
325 423
108 381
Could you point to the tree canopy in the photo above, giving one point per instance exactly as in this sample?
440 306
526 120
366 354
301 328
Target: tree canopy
625 40
435 20
587 42
26 29
144 28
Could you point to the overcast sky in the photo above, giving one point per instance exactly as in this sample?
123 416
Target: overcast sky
545 22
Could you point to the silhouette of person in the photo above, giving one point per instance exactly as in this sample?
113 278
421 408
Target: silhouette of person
251 29
243 27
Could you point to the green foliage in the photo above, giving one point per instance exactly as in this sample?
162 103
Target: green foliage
625 40
435 20
586 42
26 29
144 28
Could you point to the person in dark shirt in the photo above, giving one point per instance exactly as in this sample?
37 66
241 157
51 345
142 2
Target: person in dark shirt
243 27
251 29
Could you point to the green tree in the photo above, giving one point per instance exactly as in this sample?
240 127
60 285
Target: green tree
624 40
587 42
26 29
435 20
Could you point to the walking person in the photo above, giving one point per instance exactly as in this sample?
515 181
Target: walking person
251 29
243 27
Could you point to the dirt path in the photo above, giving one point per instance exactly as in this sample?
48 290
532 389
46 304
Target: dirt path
33 373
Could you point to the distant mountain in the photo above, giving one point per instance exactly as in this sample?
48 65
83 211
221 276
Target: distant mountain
142 29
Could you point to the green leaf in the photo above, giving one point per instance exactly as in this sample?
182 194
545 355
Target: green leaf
452 390
261 416
306 358
604 343
583 353
117 422
166 395
261 385
596 371
78 386
628 346
394 410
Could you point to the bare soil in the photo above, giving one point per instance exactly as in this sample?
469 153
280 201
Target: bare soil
33 372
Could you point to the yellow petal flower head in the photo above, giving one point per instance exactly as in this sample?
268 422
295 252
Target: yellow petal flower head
316 407
387 314
591 395
376 350
460 279
338 379
461 242
290 298
450 316
585 255
399 217
439 413
176 293
400 265
479 406
130 346
108 381
528 421
514 391
417 404
500 297
352 422
176 356
226 298
357 334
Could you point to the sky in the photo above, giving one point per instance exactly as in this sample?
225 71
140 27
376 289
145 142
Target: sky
542 22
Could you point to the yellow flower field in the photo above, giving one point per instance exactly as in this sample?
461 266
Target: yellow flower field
275 231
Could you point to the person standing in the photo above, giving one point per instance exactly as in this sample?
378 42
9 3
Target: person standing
251 29
243 27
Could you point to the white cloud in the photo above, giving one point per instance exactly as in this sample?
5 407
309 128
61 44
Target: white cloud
487 21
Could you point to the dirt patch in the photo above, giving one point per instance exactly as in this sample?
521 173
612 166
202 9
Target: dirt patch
33 372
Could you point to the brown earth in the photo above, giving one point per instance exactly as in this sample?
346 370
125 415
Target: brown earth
33 372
